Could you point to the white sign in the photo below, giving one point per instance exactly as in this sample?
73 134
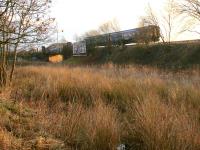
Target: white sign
79 48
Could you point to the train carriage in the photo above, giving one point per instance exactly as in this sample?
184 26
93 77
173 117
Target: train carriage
139 35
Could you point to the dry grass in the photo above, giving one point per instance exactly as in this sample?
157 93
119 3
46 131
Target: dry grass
97 108
164 127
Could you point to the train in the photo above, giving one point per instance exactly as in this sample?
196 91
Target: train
145 34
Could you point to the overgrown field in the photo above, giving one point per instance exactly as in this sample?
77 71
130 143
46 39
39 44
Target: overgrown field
99 108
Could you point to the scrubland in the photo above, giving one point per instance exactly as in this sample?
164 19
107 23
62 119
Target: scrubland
101 107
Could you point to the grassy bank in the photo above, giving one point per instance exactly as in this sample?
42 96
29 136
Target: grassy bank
167 56
99 108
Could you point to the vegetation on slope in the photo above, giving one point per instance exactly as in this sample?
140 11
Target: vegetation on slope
178 55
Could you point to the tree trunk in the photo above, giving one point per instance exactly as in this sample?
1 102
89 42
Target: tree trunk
3 73
14 62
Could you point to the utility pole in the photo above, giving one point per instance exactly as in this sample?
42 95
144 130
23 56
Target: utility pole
57 30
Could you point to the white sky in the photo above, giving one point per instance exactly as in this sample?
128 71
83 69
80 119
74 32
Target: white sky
78 16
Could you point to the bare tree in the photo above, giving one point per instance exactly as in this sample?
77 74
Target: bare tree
91 33
169 18
6 29
21 22
31 24
166 21
190 9
108 27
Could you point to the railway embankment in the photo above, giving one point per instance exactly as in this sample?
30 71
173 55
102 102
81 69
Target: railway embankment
174 55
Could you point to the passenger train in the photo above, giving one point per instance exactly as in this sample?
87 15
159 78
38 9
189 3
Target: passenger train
139 35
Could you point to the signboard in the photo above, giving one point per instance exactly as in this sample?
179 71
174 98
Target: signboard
79 48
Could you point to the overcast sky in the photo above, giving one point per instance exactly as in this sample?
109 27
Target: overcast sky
78 16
